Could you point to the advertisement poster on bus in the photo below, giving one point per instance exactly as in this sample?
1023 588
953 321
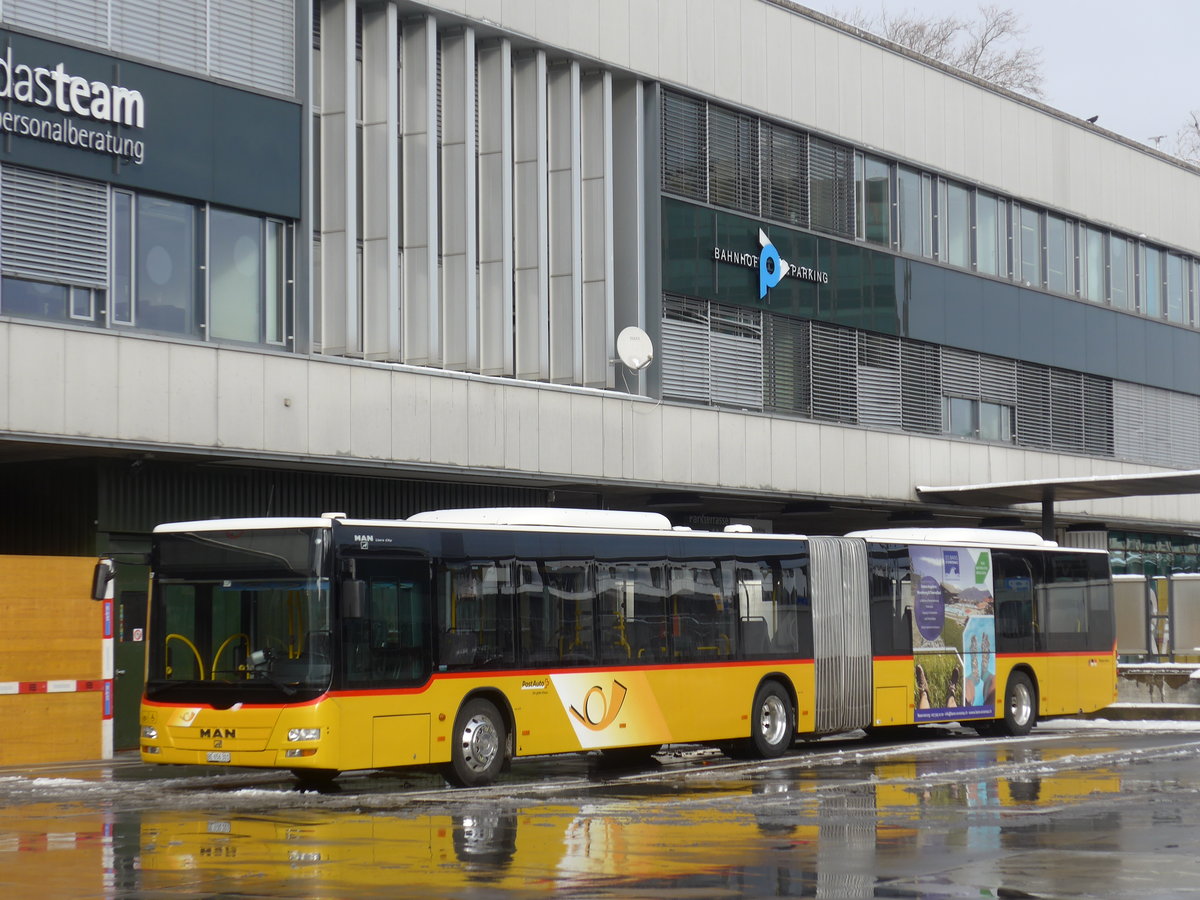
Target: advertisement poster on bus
954 633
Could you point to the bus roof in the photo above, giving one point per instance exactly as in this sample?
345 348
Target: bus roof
988 537
246 524
553 517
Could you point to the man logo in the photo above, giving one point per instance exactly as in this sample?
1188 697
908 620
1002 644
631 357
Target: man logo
600 712
771 268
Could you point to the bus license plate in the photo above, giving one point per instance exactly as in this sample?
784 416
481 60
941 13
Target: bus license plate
218 756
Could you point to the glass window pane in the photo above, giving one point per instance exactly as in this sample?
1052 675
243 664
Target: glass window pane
1002 233
986 245
275 292
956 222
81 303
1058 256
122 262
961 417
1175 289
1031 247
33 298
166 266
1150 286
1119 265
1093 265
235 272
877 201
995 422
912 210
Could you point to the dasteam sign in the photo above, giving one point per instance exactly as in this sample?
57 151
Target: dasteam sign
55 89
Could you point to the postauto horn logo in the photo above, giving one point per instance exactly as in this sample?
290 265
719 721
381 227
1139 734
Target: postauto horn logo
770 267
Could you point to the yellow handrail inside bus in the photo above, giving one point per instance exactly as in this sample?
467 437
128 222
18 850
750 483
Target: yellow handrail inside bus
221 649
179 637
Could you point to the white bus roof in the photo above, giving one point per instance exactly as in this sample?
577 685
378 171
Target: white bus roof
552 517
247 524
988 537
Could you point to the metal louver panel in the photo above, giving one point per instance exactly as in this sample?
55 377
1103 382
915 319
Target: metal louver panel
735 348
1098 418
1066 410
1128 415
1033 406
684 146
53 228
784 174
732 160
79 20
831 187
168 31
879 393
685 349
920 388
834 373
960 373
786 382
254 43
998 380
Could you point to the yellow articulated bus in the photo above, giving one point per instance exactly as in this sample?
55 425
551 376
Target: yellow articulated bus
464 638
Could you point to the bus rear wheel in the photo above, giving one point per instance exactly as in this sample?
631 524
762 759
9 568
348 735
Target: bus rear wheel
772 725
479 741
1020 706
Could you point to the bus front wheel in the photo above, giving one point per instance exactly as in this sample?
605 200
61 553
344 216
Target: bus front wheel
772 725
479 737
1020 706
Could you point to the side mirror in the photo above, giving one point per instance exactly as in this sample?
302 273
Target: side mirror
104 572
354 598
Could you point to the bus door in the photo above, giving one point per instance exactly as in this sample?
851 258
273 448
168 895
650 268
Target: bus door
841 633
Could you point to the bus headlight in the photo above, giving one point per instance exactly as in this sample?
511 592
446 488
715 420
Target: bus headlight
304 734
149 732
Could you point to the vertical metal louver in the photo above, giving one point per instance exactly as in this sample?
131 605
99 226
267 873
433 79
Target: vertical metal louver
1128 417
1098 418
168 31
784 174
786 381
685 349
54 227
834 373
920 388
998 380
85 21
254 43
960 373
879 388
735 349
733 160
1066 410
684 146
831 187
1033 406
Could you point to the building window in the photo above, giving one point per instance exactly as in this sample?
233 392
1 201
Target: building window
954 222
1060 255
987 235
1030 269
1176 290
978 419
1092 266
915 201
1150 281
874 195
1120 262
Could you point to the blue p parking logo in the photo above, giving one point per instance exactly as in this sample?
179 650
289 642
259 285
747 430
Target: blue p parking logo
771 268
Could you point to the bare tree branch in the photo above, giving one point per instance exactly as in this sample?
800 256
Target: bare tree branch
990 46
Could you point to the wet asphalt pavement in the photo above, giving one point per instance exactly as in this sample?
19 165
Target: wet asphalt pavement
1077 809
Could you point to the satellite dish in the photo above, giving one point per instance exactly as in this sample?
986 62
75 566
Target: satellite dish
634 348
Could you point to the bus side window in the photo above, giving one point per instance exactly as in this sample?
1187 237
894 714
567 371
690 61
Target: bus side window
1014 578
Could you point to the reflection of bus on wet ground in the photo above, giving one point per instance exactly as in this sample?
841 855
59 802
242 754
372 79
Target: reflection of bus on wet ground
464 638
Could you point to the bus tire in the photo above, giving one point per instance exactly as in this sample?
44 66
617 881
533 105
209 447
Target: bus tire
1020 706
478 743
772 724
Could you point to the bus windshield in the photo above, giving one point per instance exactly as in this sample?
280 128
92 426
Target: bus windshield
258 631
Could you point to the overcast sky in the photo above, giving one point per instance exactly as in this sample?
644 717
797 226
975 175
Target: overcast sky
1132 64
